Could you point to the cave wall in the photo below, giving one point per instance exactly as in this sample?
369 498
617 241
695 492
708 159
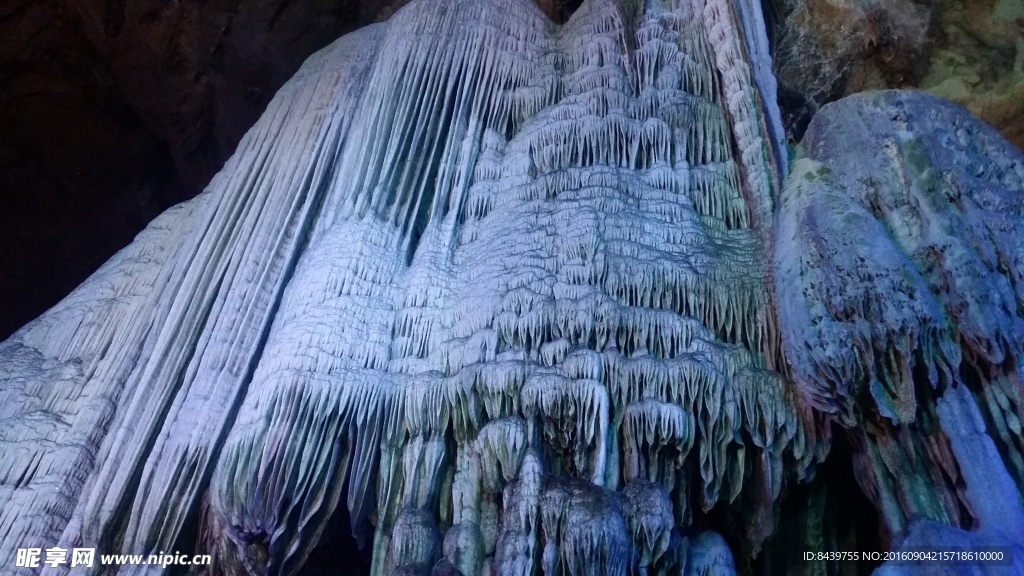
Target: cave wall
968 51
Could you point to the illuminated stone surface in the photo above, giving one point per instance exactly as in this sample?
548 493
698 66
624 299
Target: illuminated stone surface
503 290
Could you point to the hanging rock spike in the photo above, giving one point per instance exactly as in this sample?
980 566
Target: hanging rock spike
524 298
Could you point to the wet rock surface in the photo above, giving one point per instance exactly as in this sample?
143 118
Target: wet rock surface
968 51
826 49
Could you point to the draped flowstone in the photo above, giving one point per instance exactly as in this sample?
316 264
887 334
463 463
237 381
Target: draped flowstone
899 252
515 298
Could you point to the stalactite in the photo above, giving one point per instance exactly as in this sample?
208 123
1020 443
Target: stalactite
347 317
503 290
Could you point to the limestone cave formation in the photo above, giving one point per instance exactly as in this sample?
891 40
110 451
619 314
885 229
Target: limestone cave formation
503 287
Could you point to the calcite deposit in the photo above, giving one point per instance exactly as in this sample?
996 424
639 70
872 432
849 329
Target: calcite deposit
519 297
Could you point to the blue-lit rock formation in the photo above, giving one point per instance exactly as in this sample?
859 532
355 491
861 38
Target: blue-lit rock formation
899 266
525 298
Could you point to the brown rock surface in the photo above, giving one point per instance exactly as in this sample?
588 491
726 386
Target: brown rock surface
826 49
967 51
981 63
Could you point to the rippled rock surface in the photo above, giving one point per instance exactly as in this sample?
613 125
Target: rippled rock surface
509 297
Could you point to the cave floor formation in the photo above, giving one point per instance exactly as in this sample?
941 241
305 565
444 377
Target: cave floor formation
485 294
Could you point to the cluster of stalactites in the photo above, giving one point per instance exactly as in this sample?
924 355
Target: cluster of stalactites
575 306
498 288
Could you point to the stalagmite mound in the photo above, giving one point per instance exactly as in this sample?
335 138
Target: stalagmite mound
504 296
